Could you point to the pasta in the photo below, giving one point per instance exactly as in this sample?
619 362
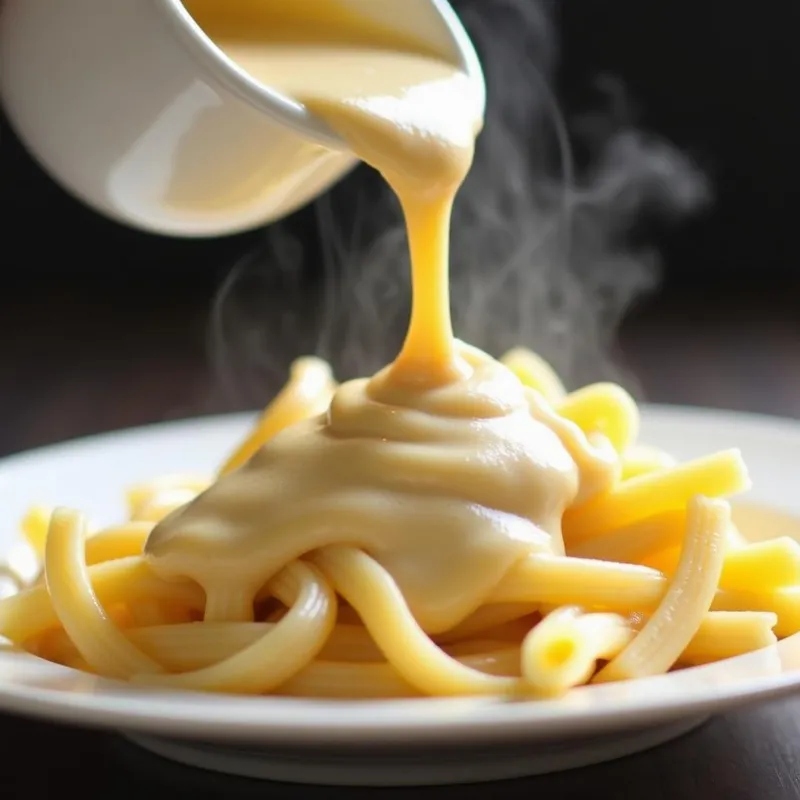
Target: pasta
334 623
455 525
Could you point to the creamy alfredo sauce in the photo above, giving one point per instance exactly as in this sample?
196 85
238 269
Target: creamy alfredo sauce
441 466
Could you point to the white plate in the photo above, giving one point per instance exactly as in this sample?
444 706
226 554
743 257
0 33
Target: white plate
383 743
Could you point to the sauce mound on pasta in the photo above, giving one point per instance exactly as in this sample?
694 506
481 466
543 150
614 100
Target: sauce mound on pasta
445 488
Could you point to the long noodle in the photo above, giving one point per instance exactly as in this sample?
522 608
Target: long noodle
281 652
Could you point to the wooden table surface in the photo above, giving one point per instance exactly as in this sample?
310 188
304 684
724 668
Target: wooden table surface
78 361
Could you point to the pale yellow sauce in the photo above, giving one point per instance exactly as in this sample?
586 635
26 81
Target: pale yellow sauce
442 466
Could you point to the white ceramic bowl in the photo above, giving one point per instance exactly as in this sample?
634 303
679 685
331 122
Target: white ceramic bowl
132 109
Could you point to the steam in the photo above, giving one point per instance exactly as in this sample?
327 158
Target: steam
544 249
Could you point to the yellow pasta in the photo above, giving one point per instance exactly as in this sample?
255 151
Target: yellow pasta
599 603
725 634
558 580
356 681
453 525
32 611
144 494
34 527
280 652
349 665
770 564
720 475
642 459
196 645
494 618
535 373
635 543
118 542
148 612
161 504
562 651
98 640
784 603
307 393
665 561
659 644
603 408
418 660
356 660
656 541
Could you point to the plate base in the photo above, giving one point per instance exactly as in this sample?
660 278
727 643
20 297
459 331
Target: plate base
410 766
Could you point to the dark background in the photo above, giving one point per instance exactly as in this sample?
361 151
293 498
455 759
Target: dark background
101 326
717 78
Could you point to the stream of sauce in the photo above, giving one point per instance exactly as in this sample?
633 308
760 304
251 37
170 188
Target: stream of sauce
438 466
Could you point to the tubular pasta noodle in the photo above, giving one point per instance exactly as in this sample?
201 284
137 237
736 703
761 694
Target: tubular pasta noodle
488 618
595 452
56 644
659 644
34 528
665 561
97 639
417 659
720 475
771 564
148 612
642 459
784 602
656 541
307 394
162 503
142 494
553 580
331 679
725 634
563 580
603 408
355 681
369 680
31 612
348 662
562 651
281 652
636 542
121 541
535 373
196 645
